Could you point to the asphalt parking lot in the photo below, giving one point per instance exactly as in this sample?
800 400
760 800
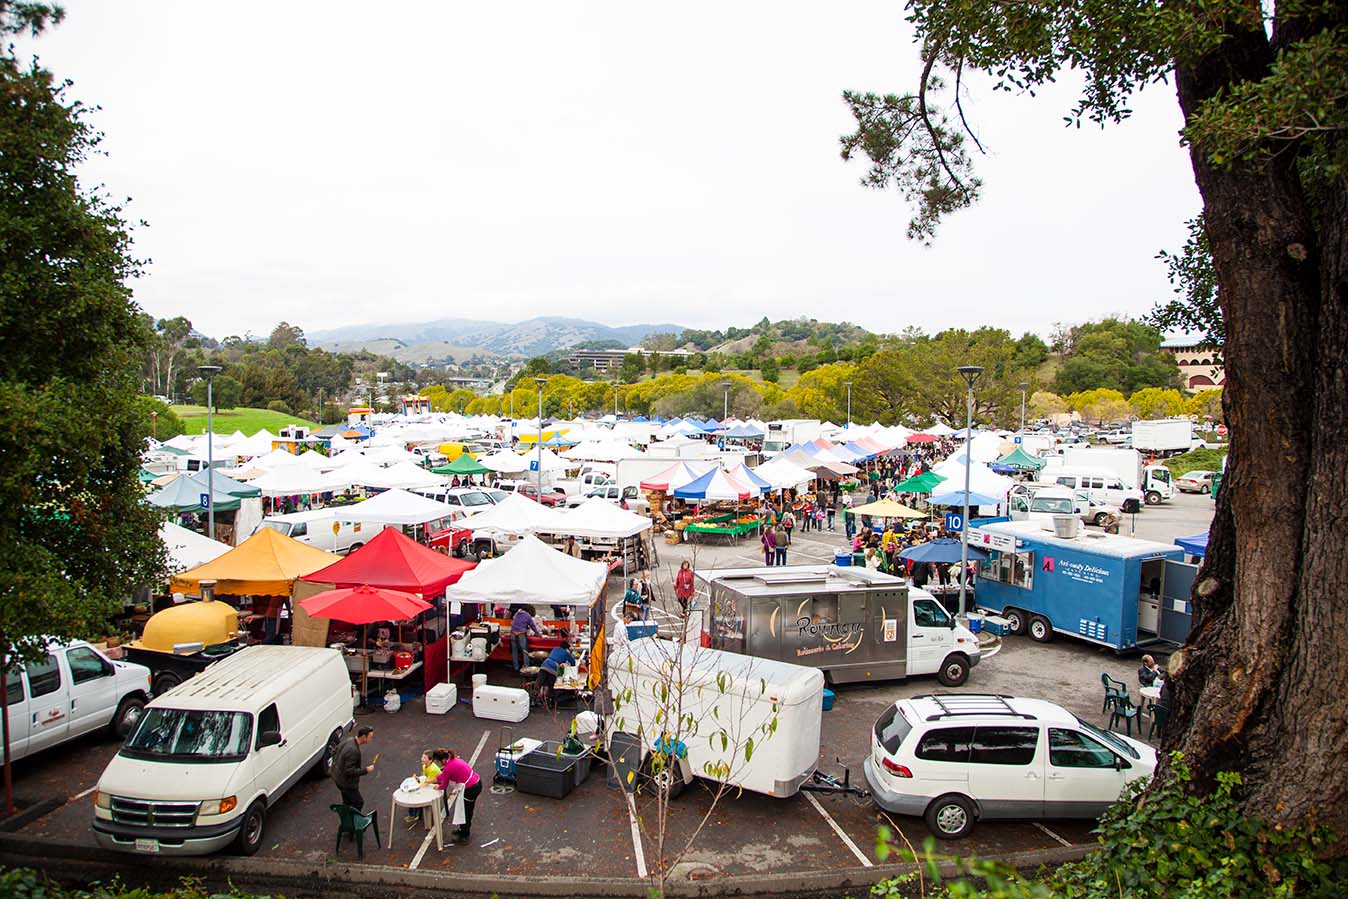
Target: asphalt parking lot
590 832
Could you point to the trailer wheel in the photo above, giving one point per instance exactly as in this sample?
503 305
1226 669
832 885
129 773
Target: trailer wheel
1016 622
1041 630
166 681
954 670
669 777
1153 498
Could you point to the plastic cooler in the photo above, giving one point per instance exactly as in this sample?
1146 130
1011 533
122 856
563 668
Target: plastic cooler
975 622
843 558
507 757
441 698
638 629
828 699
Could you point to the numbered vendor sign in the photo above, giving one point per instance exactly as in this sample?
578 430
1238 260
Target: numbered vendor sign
533 465
954 522
1018 440
205 500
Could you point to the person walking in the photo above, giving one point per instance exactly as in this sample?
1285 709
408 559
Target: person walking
683 585
849 519
454 770
780 542
769 541
348 767
831 511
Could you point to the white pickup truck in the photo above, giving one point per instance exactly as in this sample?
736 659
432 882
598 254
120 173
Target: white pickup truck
586 481
629 497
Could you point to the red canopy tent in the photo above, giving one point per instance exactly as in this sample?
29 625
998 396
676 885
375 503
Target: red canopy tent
395 561
922 438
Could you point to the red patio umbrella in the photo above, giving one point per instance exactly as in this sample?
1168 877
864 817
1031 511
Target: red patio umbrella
922 438
364 605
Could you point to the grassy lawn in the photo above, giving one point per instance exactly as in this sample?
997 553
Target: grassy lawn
227 421
1196 460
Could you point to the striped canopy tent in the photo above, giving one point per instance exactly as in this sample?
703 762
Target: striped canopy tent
673 477
715 486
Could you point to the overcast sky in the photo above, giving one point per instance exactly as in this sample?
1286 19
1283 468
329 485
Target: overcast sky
332 164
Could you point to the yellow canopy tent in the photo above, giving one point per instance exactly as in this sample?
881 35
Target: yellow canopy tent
263 565
887 508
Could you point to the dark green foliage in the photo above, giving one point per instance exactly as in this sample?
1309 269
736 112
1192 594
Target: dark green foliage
1119 354
1194 308
77 537
1168 844
25 883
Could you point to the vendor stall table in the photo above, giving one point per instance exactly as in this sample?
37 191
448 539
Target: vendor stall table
728 529
395 674
426 798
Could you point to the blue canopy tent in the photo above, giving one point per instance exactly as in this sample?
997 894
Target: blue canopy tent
744 432
956 498
861 453
943 549
1197 545
711 424
641 418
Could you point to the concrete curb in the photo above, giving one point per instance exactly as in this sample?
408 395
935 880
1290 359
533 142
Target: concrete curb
27 815
307 878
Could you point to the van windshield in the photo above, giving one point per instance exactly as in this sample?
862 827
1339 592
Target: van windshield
474 499
1109 738
190 736
282 526
1058 505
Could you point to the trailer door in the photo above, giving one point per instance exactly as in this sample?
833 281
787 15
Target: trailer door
1176 613
765 629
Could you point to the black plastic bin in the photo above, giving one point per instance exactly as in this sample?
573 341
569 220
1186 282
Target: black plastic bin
546 774
554 747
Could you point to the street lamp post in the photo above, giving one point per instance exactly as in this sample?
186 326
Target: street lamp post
154 422
970 374
725 401
1023 388
210 371
540 382
849 405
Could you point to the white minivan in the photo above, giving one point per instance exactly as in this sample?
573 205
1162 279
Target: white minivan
75 690
212 755
321 529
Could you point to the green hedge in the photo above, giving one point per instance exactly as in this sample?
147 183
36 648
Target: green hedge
25 883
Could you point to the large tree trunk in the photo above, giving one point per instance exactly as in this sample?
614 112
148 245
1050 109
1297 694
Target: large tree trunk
1261 685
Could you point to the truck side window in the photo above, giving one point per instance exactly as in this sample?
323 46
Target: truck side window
268 720
44 677
927 613
1068 482
13 687
300 529
85 664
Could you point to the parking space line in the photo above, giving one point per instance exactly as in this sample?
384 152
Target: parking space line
861 856
430 834
636 836
82 795
1051 833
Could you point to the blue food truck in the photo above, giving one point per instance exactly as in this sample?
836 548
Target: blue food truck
1046 578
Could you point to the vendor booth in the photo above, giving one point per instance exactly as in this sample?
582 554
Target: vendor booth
619 539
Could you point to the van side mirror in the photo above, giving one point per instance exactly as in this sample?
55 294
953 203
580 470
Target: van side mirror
951 622
269 738
1120 763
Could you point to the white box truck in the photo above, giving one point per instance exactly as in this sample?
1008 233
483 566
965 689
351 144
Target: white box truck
711 694
1154 481
782 434
1165 437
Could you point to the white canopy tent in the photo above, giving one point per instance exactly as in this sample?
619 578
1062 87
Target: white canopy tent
600 518
599 451
505 462
298 480
782 474
397 507
531 571
516 514
188 549
403 474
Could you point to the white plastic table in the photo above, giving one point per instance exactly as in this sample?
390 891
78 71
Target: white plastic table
1151 694
423 798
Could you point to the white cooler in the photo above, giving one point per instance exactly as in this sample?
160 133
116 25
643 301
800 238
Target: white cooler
500 703
441 698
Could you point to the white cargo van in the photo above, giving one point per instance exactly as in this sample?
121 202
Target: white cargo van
717 690
212 755
73 691
1103 485
322 529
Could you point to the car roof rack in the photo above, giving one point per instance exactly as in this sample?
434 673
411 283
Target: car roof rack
956 705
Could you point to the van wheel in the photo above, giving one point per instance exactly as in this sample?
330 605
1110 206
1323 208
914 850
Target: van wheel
954 671
1101 518
324 766
1016 622
353 547
950 817
127 716
250 834
1041 631
1153 498
166 681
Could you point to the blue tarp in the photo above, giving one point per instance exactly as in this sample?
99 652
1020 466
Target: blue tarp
956 498
1197 545
944 549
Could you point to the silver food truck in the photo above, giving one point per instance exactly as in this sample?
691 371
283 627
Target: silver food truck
855 624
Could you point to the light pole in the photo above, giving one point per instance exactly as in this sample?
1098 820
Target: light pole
615 401
725 401
540 382
1023 388
970 374
210 371
154 421
849 405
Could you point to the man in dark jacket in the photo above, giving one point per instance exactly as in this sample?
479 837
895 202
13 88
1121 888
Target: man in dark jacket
347 767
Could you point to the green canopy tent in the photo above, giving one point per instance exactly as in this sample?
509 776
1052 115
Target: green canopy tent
223 484
463 465
1021 460
184 495
920 483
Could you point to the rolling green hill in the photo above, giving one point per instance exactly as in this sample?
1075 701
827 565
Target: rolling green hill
250 421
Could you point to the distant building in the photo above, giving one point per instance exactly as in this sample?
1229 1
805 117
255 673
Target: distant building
358 415
612 360
477 384
1200 368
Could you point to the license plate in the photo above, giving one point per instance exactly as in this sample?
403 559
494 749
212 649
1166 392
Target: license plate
147 845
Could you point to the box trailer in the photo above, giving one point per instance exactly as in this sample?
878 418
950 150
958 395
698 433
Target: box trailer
1053 577
854 624
1165 436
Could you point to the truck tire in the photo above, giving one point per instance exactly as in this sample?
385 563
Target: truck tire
127 716
951 817
165 681
324 766
1100 519
1017 622
1130 506
1153 498
954 670
250 830
1041 629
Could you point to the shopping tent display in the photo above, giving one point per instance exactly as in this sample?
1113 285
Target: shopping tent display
920 483
532 572
742 432
887 508
188 549
715 486
944 549
403 474
223 484
600 518
399 507
364 605
985 446
957 498
316 461
296 479
545 458
922 438
675 476
516 514
1020 460
1197 545
600 451
746 476
505 462
940 429
396 561
183 494
266 564
464 465
784 475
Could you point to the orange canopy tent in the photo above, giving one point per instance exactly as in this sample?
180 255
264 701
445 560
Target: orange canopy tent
266 564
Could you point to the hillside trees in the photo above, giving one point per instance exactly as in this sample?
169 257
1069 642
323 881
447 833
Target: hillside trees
1118 354
1263 89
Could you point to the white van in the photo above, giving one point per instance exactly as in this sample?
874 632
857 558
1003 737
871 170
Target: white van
322 529
75 690
212 755
1103 486
716 690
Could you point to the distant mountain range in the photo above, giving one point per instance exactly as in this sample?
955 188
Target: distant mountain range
535 337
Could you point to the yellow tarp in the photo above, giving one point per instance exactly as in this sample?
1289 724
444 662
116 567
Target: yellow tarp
887 508
532 436
263 565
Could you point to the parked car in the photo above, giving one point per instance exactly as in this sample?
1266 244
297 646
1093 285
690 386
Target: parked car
550 496
75 690
956 759
627 497
1196 481
429 456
